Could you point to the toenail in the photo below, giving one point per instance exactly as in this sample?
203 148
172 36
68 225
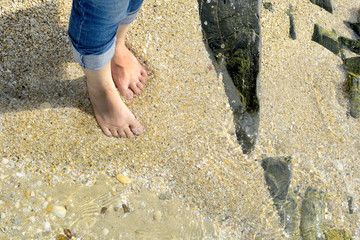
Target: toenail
128 96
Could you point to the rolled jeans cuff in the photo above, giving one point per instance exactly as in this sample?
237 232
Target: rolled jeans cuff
93 61
130 17
99 61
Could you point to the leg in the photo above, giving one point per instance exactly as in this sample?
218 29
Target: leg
128 74
92 29
113 116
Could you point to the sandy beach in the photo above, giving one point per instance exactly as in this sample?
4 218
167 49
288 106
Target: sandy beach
189 177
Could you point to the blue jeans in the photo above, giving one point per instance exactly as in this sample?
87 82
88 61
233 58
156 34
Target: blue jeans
92 29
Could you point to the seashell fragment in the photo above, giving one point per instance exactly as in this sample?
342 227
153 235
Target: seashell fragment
123 179
61 237
59 211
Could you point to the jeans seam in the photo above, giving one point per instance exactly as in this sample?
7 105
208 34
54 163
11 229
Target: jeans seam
81 22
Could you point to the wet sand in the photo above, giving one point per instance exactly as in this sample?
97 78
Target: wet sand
187 165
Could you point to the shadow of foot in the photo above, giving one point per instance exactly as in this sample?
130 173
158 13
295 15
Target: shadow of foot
35 52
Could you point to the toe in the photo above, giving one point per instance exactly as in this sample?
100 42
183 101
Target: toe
114 132
107 132
134 88
126 92
136 129
128 133
140 85
143 73
142 79
121 133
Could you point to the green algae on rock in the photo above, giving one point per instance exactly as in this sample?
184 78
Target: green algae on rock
278 174
336 234
326 38
232 32
352 65
312 215
325 4
354 92
352 45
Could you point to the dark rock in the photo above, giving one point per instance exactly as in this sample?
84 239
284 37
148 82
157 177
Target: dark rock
291 216
354 26
312 215
352 45
232 31
292 32
352 65
350 204
327 39
246 124
268 6
354 92
325 4
278 174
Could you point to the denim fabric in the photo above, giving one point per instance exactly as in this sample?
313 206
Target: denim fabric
92 29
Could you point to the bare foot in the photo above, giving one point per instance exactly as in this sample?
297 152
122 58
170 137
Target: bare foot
128 74
113 116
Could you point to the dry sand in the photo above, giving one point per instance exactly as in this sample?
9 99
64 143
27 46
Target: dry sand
187 165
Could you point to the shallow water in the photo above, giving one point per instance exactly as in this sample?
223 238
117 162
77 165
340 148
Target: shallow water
59 155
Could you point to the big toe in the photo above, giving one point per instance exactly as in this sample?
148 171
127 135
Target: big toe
136 128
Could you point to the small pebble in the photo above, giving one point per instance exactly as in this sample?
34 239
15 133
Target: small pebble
68 233
116 209
103 210
123 179
47 226
61 237
48 207
126 208
2 215
59 211
27 192
32 219
26 212
17 204
157 215
105 231
41 200
45 105
5 161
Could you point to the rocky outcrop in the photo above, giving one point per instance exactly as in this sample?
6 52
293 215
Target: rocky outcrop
231 29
